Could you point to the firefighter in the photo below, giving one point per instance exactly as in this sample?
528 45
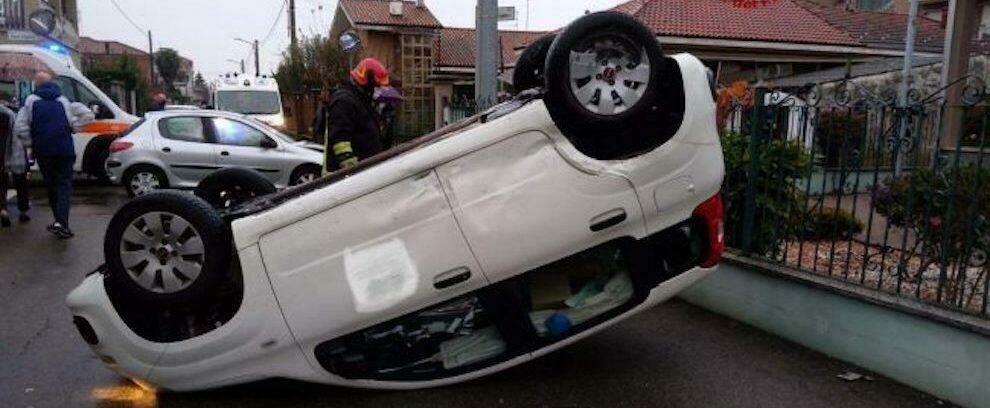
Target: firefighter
353 128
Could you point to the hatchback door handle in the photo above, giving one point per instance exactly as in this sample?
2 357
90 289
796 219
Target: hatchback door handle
166 149
225 153
608 220
449 279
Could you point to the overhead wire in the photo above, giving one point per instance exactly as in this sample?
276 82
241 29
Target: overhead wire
128 18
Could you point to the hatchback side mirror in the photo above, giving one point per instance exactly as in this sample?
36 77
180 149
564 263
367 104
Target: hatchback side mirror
267 143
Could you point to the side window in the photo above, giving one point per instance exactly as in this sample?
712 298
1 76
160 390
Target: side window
185 129
68 86
232 132
86 96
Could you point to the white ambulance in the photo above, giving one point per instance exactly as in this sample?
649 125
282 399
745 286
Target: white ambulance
257 97
21 61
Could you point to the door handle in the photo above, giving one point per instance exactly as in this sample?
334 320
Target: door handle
167 149
608 220
449 279
225 153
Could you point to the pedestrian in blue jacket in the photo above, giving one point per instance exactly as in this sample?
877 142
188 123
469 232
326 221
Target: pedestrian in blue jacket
50 119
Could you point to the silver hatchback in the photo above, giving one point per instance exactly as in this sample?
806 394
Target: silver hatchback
179 148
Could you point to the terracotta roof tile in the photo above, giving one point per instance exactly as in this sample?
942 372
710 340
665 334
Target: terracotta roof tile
376 12
881 30
89 45
455 47
780 21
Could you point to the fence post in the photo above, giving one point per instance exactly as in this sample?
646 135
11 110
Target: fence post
749 209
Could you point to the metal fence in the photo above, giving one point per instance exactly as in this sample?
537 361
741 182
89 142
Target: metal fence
837 181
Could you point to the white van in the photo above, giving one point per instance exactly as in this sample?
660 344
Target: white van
257 97
21 61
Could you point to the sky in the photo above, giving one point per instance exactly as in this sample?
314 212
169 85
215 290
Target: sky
204 31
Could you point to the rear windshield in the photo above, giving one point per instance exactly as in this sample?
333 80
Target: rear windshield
249 102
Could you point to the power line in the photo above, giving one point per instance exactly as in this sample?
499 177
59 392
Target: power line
128 18
278 18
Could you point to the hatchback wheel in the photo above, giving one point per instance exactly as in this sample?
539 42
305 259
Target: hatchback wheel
144 180
167 248
231 187
305 174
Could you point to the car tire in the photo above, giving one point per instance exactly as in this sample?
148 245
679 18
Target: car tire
528 73
142 243
603 80
305 174
143 179
228 188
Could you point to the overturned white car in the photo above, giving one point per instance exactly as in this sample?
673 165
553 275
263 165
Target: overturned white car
479 247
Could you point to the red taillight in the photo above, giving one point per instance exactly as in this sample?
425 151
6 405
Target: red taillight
713 214
120 145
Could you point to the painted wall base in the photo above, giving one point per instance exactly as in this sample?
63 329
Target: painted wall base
945 361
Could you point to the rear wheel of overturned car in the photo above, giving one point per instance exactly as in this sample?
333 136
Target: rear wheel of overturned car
603 80
231 187
528 73
167 248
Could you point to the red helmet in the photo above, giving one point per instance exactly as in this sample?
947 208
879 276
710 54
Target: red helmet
370 69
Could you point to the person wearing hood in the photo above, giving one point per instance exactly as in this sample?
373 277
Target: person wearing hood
14 166
49 119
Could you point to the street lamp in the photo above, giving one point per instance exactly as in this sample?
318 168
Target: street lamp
257 59
240 63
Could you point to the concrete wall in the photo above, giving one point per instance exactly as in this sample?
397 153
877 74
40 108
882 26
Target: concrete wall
949 362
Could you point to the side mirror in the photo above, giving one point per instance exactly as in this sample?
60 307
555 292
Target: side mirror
267 143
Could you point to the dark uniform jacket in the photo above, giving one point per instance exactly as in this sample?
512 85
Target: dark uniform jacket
352 126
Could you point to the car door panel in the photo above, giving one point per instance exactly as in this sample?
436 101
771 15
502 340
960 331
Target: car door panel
521 205
239 145
369 260
182 145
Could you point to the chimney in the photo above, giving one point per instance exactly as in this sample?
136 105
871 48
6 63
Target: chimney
395 7
420 4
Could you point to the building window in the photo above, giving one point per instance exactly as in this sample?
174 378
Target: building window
417 112
874 5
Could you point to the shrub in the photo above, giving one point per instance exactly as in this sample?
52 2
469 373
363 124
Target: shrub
779 204
948 211
830 224
838 134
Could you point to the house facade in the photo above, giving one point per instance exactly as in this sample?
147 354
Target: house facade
14 27
434 65
400 34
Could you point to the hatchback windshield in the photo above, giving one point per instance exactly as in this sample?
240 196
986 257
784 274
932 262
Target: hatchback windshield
249 102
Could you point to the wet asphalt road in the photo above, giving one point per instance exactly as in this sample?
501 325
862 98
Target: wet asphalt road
676 355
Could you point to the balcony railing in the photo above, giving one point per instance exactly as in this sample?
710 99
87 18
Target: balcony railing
12 15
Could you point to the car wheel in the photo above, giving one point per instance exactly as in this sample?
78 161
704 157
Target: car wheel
603 77
143 180
528 73
228 188
167 248
305 174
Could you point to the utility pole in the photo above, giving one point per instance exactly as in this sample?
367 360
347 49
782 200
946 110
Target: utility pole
905 88
959 34
151 57
292 24
257 58
486 77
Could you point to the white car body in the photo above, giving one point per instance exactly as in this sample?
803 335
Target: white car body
186 163
264 89
498 199
95 136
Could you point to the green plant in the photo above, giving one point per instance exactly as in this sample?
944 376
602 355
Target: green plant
830 224
778 204
948 212
316 63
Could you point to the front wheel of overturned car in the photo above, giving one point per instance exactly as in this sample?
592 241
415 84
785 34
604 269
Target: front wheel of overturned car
228 188
528 73
167 248
604 76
